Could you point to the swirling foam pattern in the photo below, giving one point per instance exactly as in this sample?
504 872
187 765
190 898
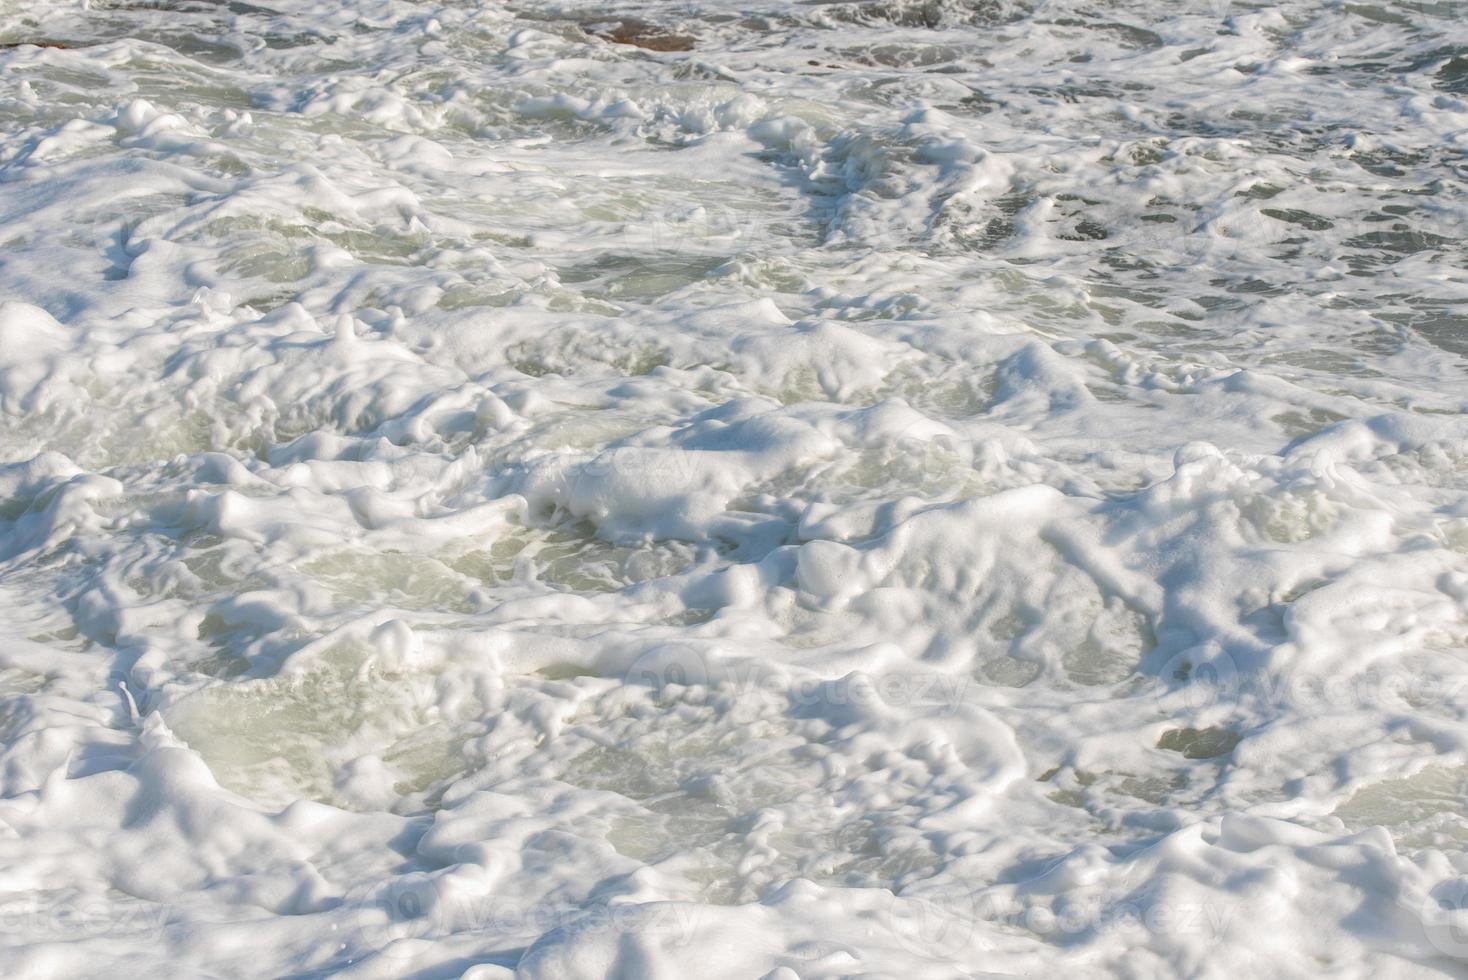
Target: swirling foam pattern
795 489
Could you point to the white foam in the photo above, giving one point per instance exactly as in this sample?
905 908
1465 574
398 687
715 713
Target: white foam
895 489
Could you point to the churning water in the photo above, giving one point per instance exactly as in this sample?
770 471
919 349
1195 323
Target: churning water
891 488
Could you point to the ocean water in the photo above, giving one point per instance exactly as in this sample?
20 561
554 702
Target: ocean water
789 490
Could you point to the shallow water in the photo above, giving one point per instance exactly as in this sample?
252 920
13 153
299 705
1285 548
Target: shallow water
884 489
